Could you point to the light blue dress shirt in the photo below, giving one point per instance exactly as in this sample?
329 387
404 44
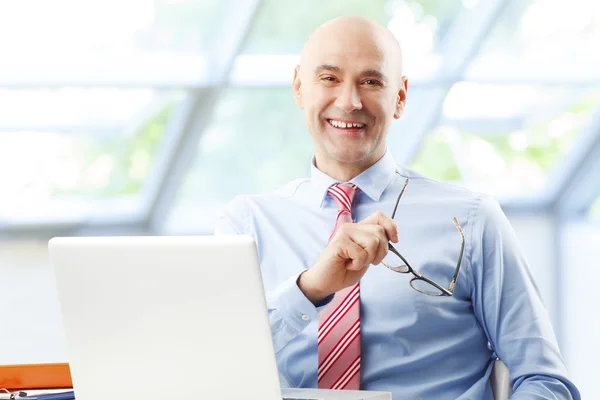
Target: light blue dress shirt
413 345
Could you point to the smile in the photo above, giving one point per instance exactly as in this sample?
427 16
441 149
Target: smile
345 125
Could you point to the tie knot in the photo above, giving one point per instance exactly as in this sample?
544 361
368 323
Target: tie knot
343 193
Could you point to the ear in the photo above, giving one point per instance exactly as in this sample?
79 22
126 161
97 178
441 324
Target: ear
401 98
296 86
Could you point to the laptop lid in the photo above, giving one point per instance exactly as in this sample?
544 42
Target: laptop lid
153 317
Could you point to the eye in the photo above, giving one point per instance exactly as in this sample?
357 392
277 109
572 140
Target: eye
328 79
372 82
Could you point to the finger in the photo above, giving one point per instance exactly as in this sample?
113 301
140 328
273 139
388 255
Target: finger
355 253
370 242
388 224
379 231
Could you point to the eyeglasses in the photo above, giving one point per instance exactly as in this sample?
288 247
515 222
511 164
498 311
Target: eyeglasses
397 263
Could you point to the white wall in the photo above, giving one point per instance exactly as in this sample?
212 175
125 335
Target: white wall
536 236
581 278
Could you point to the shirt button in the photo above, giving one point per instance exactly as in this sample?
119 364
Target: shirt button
489 346
305 317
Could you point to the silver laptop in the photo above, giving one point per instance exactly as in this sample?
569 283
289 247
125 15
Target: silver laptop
157 317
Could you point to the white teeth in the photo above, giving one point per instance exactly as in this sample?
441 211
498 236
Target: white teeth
343 125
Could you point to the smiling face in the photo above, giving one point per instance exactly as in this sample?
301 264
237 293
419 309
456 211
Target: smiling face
350 85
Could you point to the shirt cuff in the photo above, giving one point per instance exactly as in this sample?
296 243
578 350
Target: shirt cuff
293 305
324 303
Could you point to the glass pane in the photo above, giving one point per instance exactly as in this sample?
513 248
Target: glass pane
436 158
104 109
256 142
469 100
595 209
548 34
64 39
43 170
404 135
108 27
516 158
421 23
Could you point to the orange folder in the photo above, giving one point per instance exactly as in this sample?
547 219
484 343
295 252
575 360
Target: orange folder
35 376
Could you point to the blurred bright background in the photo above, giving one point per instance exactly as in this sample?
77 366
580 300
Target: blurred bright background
146 117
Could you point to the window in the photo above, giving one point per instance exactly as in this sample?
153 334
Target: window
256 142
505 139
80 147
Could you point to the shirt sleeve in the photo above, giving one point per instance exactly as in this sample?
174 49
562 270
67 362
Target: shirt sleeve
508 305
290 312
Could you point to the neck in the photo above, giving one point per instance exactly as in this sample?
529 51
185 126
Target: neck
343 171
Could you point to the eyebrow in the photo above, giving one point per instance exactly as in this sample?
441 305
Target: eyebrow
326 67
374 73
368 72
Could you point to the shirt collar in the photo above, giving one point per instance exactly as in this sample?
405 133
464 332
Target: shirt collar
372 181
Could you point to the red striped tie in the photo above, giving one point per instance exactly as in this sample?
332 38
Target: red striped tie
339 322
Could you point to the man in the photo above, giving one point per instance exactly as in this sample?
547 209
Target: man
416 345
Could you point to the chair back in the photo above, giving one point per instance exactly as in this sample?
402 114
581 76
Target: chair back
500 380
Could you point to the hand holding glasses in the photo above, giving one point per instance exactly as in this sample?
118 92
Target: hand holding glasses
397 263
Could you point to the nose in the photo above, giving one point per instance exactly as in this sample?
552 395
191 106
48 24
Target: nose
348 99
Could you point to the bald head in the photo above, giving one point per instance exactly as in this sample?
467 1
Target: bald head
353 33
350 85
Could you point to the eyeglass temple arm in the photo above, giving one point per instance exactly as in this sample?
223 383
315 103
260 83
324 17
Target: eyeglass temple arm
399 197
462 250
396 252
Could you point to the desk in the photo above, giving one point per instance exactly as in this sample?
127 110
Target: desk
322 394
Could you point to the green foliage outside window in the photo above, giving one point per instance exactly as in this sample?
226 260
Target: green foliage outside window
543 148
436 159
130 156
